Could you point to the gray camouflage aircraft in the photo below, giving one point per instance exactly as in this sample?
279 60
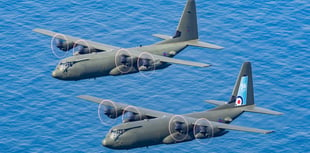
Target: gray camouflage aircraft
92 59
145 127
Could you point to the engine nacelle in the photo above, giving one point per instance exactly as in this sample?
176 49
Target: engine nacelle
125 60
134 117
146 65
202 132
63 45
86 50
112 112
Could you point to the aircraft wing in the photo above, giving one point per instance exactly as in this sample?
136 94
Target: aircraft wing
137 53
86 43
239 128
105 47
178 61
227 126
128 108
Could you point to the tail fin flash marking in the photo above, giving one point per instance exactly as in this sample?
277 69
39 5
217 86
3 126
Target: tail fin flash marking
242 92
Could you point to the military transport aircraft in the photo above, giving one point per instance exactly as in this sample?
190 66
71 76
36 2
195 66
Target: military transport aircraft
145 127
92 59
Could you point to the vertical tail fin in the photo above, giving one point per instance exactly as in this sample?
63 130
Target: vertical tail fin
187 28
243 93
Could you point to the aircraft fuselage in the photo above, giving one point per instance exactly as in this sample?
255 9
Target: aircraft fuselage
156 131
105 63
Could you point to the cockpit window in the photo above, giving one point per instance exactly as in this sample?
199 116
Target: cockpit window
64 66
115 133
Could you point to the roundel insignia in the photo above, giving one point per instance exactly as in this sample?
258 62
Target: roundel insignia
239 101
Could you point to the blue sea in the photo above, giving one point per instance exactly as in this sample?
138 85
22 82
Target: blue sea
41 114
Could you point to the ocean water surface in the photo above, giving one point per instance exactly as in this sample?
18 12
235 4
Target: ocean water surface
41 114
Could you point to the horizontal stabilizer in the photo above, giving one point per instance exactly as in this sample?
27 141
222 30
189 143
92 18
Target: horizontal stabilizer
216 102
165 37
240 128
198 43
261 110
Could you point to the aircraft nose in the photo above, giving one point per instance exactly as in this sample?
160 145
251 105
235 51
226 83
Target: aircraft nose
106 143
56 74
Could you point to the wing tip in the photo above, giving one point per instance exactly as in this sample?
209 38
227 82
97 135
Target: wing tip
36 29
206 65
269 131
80 96
278 113
220 47
83 96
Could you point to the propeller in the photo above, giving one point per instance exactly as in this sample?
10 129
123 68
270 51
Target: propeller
203 129
146 62
181 129
108 110
179 126
132 113
126 63
60 45
178 129
123 62
123 59
82 47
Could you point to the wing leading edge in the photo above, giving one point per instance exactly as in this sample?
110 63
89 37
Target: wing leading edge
219 125
121 106
105 47
137 53
240 128
76 40
178 61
